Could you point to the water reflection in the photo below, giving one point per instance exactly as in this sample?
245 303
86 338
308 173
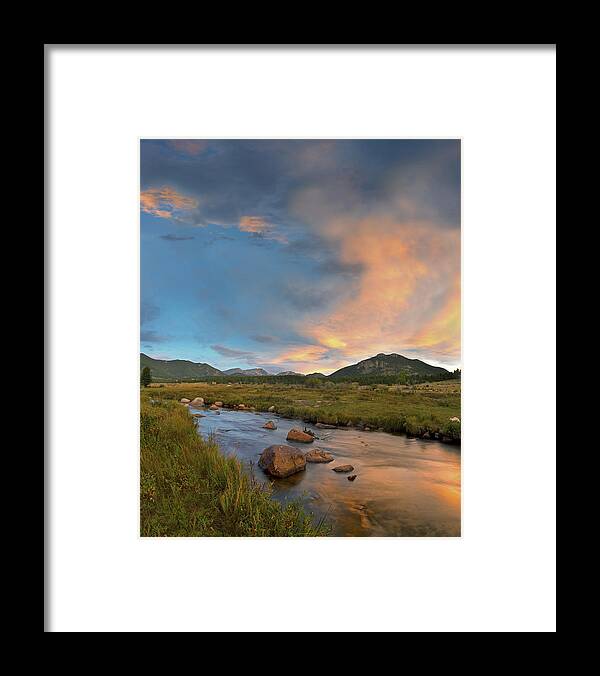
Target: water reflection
405 487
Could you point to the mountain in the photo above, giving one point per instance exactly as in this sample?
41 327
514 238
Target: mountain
380 365
388 365
177 369
246 372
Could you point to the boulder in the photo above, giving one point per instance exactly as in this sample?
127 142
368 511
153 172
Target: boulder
343 468
184 401
325 426
218 403
317 455
455 419
270 425
271 409
297 435
213 407
241 406
282 461
197 402
352 477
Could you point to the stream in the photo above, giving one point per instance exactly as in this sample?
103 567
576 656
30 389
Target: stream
404 487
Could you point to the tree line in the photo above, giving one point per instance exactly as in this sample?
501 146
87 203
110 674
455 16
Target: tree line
316 381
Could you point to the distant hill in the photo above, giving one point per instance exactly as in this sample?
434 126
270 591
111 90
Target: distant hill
246 372
382 365
389 365
177 369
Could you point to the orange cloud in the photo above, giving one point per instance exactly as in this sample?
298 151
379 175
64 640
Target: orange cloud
442 333
408 295
305 358
260 226
164 202
188 146
255 224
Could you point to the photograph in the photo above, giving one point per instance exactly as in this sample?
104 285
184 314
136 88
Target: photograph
311 291
300 337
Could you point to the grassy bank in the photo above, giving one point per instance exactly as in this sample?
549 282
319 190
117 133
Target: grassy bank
189 488
414 409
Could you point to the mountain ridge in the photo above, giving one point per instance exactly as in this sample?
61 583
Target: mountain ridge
177 369
388 365
379 365
246 372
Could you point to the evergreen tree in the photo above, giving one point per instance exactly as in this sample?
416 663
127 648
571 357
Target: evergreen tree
146 376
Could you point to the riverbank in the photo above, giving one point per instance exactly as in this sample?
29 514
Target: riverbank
189 488
422 411
402 487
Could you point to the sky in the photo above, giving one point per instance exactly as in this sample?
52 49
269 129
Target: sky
300 255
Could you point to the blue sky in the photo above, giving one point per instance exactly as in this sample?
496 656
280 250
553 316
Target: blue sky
302 255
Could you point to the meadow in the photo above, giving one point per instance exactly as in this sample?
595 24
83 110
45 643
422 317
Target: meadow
189 488
420 410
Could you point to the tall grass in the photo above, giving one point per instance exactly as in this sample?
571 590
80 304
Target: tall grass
189 488
413 410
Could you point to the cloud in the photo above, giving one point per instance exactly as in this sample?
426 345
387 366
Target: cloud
372 256
253 224
228 352
408 294
165 202
150 336
175 238
188 146
265 339
148 312
258 226
305 297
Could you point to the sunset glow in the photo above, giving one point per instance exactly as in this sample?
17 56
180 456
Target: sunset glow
300 255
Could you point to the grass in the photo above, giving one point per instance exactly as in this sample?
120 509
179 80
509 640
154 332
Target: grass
410 409
189 488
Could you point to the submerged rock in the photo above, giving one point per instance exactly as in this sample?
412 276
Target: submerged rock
325 426
343 468
352 477
282 461
317 455
270 425
297 435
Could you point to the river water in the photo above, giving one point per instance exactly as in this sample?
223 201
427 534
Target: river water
404 487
